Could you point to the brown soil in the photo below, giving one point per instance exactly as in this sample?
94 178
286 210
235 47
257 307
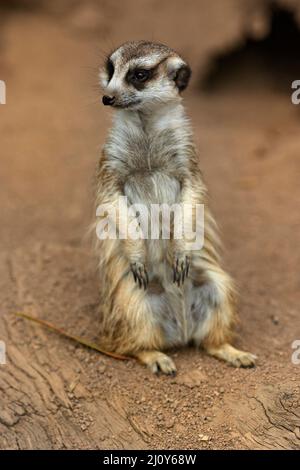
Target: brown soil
56 394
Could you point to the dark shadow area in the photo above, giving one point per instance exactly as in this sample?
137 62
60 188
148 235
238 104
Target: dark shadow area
12 6
273 62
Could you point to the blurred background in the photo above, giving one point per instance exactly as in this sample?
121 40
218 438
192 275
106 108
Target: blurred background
244 56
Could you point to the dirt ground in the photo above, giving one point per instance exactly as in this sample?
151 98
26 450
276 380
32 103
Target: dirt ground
55 394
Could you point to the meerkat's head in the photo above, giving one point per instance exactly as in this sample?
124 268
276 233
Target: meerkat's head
141 75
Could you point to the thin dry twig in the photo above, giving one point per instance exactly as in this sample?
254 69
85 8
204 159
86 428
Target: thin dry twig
61 332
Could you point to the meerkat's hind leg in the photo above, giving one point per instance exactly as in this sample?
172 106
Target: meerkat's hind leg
157 362
233 356
214 302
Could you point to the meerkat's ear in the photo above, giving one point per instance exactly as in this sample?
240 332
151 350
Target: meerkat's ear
180 72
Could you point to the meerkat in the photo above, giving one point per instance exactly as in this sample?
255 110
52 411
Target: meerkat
157 294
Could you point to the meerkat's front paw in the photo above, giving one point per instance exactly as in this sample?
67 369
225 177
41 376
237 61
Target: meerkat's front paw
181 267
140 274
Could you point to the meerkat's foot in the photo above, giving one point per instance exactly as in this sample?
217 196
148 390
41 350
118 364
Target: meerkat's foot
157 362
233 356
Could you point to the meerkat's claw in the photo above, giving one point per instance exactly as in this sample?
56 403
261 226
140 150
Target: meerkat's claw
245 360
157 362
181 270
140 274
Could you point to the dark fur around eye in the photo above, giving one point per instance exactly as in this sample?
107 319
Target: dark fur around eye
138 77
110 69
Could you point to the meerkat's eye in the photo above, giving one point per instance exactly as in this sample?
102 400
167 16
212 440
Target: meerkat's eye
137 77
141 75
110 69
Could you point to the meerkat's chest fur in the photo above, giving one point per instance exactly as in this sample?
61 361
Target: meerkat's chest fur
150 155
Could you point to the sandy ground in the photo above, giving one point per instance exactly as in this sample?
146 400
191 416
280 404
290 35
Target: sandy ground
55 394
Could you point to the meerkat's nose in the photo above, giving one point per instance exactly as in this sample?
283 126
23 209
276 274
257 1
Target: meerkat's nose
108 100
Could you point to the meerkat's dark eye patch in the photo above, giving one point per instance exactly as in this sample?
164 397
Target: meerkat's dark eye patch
110 69
137 77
